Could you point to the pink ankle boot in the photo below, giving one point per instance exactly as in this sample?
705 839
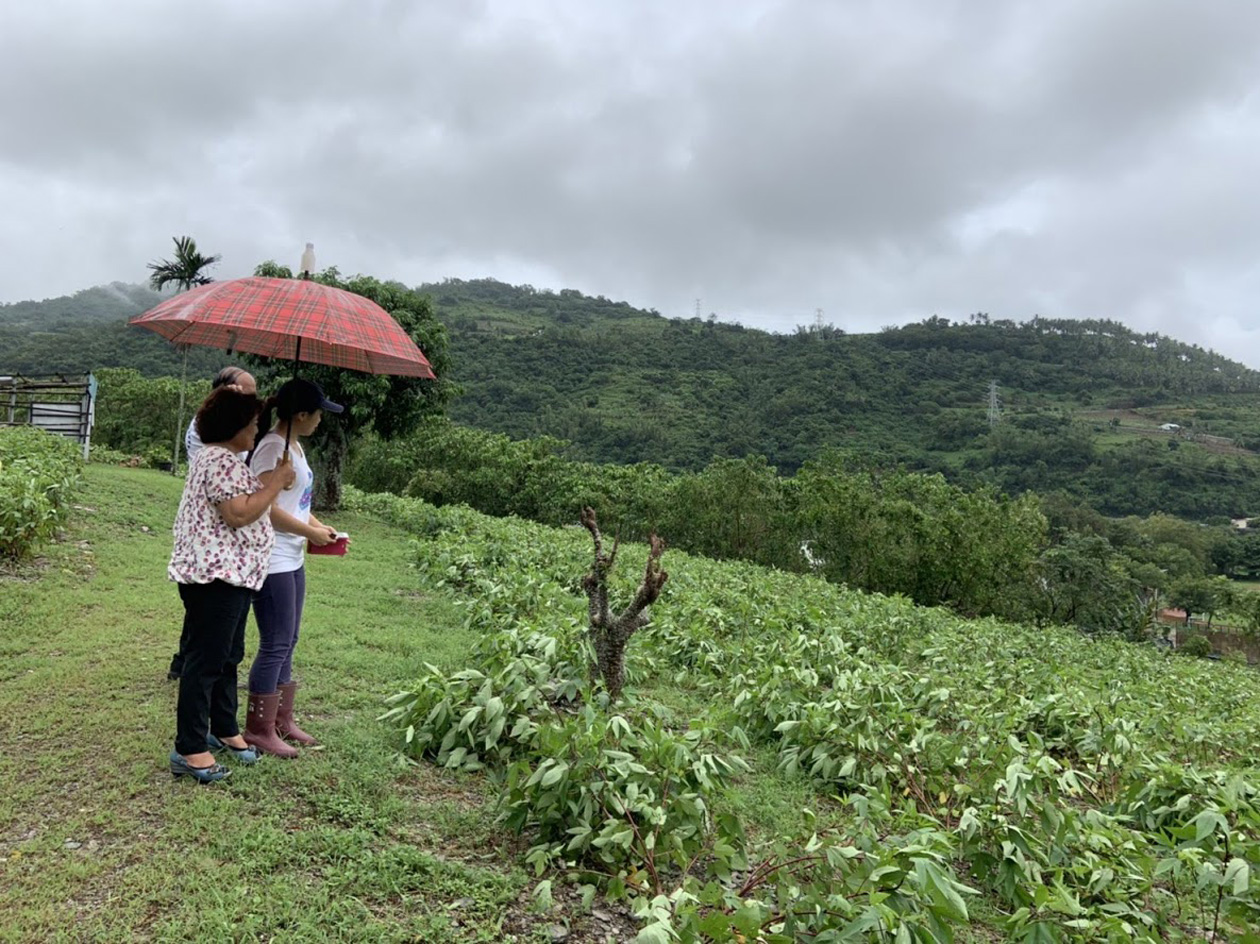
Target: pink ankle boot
260 726
286 727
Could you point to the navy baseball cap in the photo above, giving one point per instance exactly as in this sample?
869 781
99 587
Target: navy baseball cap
304 396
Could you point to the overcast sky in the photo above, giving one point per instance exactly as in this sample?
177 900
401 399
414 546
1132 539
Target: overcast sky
883 161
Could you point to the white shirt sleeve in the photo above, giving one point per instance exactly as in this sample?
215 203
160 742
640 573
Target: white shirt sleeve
192 442
267 455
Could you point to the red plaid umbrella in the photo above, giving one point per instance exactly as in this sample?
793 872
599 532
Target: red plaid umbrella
294 319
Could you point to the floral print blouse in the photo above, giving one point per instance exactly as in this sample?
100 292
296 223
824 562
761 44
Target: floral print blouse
206 547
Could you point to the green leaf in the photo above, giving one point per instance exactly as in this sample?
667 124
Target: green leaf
1208 822
543 900
554 774
947 896
1041 933
1238 873
658 932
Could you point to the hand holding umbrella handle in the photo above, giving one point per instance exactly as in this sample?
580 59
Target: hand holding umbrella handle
287 461
285 469
288 434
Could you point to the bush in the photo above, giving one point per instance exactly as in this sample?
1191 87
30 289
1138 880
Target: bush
410 514
137 414
592 787
1196 646
103 455
472 718
38 471
158 457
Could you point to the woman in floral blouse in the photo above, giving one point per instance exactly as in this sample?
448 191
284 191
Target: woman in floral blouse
223 541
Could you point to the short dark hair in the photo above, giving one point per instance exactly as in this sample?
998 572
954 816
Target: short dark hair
225 413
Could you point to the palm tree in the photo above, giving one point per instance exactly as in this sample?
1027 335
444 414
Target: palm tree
186 270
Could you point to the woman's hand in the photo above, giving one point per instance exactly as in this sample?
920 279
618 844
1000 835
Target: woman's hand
321 535
284 471
246 509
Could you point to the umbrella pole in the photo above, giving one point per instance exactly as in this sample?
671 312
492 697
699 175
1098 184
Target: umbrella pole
179 416
297 359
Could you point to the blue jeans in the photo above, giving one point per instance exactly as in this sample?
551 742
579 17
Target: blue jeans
278 610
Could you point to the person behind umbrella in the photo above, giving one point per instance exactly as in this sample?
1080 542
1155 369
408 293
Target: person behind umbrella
234 378
223 542
242 381
299 406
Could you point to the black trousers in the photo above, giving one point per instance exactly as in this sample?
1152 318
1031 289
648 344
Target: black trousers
177 660
214 627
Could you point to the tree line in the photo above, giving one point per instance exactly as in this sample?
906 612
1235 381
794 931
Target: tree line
1041 559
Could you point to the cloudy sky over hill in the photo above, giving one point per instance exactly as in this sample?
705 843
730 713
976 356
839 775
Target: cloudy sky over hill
883 161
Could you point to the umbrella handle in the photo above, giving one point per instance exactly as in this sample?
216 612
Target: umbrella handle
288 431
291 485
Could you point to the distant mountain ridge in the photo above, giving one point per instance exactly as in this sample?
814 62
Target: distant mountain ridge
536 363
1046 404
101 303
87 330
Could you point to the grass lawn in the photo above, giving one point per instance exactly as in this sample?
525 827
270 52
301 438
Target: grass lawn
98 842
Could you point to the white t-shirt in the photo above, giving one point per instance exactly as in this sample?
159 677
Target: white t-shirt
193 444
290 550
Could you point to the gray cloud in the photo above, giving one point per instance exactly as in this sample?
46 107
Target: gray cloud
882 161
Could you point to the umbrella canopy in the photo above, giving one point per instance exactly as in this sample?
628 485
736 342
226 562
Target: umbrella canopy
292 319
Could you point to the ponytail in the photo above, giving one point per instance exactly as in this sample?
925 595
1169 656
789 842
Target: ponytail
265 420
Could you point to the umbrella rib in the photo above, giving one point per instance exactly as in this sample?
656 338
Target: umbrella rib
184 329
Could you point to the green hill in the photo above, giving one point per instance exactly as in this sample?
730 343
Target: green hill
1081 403
88 330
627 388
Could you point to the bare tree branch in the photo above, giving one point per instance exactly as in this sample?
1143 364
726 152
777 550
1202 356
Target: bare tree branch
609 636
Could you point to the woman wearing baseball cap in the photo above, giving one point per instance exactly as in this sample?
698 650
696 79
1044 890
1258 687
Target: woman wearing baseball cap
298 406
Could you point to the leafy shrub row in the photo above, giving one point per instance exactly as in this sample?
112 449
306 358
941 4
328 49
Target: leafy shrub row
891 531
38 472
1038 559
1092 789
621 800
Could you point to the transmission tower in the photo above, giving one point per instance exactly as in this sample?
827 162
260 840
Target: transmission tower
995 404
818 320
697 308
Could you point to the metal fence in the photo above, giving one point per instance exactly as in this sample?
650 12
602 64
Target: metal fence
65 405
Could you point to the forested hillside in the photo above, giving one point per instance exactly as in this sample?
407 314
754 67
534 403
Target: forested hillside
1079 403
88 330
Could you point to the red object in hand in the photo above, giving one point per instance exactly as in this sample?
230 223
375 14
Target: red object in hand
337 547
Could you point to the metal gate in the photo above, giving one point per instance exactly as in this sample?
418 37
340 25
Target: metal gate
65 405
